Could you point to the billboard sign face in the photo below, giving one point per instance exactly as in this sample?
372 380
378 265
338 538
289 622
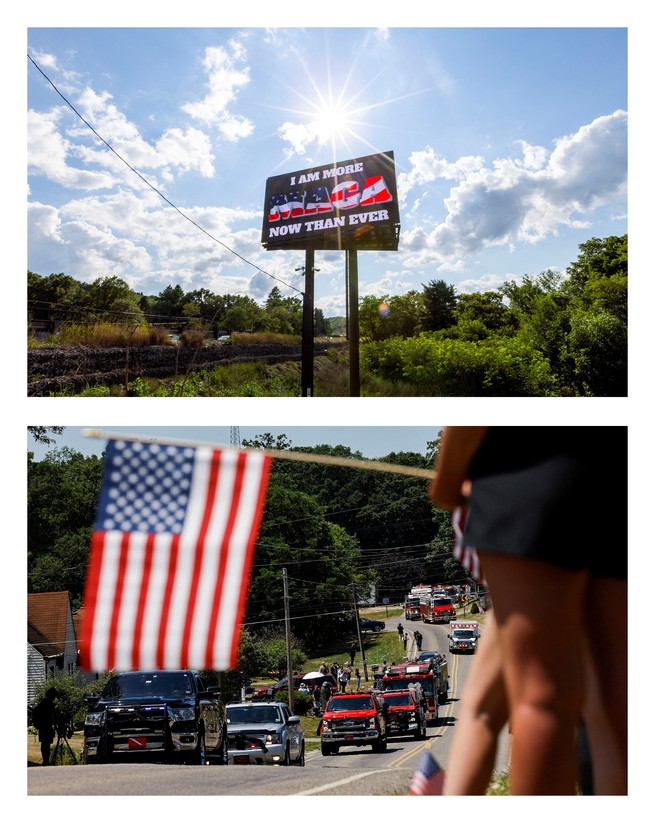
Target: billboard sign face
346 205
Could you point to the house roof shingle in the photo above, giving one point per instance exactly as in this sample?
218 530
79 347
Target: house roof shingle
47 614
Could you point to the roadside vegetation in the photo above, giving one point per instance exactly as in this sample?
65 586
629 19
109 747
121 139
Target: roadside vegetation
560 334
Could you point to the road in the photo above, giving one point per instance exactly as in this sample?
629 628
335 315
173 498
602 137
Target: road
355 771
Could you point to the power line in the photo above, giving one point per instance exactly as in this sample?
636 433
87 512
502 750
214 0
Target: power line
156 190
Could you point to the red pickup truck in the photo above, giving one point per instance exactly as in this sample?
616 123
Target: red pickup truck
406 715
355 719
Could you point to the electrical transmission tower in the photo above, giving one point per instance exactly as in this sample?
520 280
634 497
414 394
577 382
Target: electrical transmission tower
235 437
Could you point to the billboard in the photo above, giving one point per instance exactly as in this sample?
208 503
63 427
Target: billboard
346 205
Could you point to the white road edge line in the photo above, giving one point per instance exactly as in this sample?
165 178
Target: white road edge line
340 782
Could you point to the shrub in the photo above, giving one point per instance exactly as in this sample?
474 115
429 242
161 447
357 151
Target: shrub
302 701
438 367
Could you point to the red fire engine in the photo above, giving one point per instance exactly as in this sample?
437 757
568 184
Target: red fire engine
413 601
431 676
412 607
437 609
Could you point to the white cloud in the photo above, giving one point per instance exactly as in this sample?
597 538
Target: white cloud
427 167
69 154
48 154
522 200
225 79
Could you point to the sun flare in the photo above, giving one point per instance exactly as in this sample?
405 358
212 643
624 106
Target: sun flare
332 121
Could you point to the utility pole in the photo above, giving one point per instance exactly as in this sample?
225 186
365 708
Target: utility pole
287 623
353 320
359 633
307 354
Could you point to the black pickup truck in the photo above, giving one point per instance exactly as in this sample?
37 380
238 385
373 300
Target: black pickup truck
161 714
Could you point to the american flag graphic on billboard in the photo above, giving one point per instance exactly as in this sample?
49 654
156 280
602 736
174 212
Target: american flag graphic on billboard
318 201
376 191
171 556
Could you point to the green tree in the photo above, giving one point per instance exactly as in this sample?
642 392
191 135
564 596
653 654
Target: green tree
372 313
486 308
321 560
111 298
440 301
57 297
62 494
321 325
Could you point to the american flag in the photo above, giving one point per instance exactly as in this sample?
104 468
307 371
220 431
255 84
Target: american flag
171 556
428 778
463 553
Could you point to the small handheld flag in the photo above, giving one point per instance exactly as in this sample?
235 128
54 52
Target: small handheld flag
428 778
171 556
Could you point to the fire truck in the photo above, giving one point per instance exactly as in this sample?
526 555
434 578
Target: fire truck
413 601
437 609
412 607
431 676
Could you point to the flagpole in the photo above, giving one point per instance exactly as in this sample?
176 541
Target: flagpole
277 454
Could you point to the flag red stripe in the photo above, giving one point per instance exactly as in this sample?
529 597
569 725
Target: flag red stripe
163 620
222 558
247 565
91 598
118 597
210 495
143 597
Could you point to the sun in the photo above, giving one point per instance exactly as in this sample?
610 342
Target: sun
332 121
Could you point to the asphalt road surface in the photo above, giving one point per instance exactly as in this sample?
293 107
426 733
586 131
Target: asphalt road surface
354 771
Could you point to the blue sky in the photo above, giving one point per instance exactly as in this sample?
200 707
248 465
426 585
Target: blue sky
510 147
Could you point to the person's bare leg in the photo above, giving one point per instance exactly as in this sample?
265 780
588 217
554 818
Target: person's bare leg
606 709
482 714
538 609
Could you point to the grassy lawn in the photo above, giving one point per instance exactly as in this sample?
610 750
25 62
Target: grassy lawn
34 749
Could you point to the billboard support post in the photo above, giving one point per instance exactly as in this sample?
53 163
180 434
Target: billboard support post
353 320
307 366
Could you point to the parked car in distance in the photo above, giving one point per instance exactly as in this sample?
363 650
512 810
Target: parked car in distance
268 692
371 625
264 734
171 714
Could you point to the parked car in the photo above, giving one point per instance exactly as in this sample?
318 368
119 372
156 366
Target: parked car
367 625
264 734
171 714
268 692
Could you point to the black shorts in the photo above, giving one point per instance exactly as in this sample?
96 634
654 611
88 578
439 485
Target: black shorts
552 493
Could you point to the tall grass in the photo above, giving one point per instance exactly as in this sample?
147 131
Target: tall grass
105 335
